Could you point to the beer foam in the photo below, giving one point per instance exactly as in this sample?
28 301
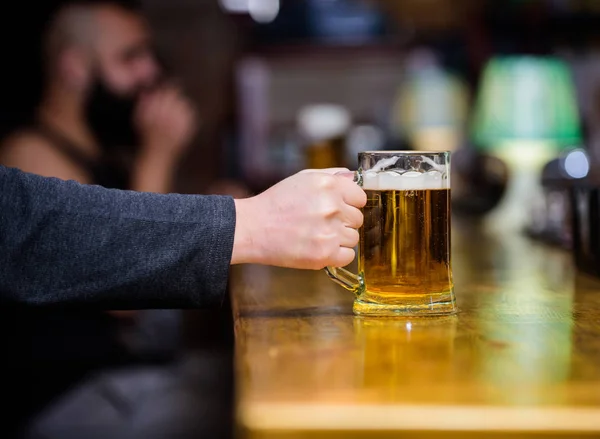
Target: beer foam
407 181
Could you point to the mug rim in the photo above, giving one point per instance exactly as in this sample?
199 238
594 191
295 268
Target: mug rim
404 152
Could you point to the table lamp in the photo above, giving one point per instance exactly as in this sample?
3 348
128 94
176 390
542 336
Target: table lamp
525 114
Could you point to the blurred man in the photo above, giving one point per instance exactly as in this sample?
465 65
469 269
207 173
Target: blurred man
105 116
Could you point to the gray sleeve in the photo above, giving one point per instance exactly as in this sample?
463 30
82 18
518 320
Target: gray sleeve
72 244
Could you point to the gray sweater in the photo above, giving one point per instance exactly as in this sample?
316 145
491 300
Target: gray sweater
72 244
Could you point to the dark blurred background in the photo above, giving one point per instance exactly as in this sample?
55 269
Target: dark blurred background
249 66
280 85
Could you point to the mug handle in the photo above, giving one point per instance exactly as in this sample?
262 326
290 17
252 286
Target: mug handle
350 281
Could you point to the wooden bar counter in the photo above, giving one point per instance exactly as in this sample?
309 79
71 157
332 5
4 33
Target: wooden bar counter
520 359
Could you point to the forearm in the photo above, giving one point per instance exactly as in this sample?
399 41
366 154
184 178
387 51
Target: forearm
66 243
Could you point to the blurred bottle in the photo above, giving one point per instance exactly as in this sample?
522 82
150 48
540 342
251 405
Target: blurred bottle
323 129
585 209
550 219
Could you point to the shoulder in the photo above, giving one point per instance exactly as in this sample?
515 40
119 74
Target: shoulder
24 145
32 152
25 139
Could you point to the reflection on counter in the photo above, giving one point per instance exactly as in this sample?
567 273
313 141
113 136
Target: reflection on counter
525 315
529 320
396 352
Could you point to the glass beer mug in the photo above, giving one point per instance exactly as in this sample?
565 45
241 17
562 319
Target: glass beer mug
404 265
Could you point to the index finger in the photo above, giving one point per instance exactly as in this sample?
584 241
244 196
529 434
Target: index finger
352 193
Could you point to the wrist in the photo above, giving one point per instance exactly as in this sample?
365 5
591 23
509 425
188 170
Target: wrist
247 239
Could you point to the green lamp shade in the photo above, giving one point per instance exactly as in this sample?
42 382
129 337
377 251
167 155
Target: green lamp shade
526 98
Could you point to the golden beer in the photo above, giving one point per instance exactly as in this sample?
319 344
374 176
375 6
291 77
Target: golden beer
404 251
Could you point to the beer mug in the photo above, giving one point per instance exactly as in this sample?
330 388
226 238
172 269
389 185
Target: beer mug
404 265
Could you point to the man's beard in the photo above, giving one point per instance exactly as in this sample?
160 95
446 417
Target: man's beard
110 118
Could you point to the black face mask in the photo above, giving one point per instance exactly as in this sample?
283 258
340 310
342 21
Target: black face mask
110 117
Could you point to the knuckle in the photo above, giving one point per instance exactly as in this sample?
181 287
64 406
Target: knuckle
329 210
326 182
329 234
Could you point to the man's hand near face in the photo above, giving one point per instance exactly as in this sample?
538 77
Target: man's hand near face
166 123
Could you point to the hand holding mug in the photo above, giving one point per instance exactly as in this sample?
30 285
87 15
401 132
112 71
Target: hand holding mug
308 221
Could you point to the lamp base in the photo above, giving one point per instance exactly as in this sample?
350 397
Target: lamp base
525 160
